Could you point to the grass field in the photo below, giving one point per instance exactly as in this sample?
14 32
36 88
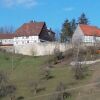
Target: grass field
22 70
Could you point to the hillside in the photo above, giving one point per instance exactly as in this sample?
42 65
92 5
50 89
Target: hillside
22 71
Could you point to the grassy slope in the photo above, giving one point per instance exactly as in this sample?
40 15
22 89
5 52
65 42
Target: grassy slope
27 69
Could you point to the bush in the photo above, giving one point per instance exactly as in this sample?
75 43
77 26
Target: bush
46 73
57 56
60 93
20 98
10 89
36 87
80 71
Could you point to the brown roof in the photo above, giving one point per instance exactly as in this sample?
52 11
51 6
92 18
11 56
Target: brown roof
6 36
30 29
90 30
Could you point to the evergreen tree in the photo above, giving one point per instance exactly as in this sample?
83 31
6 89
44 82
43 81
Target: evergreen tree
83 20
73 26
66 31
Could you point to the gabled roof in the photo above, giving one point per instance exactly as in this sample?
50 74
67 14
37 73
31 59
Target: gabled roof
30 29
90 30
6 36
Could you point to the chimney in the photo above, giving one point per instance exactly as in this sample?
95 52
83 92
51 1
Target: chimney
31 21
50 29
34 21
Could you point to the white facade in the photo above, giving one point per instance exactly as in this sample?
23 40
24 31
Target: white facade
26 40
98 39
89 39
6 41
79 36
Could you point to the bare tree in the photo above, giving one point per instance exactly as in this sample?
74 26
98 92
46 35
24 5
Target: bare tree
80 55
7 29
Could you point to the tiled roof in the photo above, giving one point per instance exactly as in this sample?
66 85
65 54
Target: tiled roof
30 29
6 36
90 30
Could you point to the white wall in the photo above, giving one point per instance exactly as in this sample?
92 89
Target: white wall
6 41
78 35
26 40
40 49
98 39
89 39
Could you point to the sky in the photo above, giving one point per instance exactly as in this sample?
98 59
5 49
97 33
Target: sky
53 12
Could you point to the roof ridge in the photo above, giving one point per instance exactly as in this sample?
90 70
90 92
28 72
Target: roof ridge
89 26
30 28
90 30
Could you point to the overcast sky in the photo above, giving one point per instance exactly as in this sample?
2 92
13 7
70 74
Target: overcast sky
53 12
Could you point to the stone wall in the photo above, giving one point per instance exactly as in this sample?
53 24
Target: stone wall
7 48
40 49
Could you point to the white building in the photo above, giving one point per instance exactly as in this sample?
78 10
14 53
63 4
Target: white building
33 32
86 34
6 39
28 33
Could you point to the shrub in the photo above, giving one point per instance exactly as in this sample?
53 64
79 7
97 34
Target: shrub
57 56
36 87
10 89
20 98
80 71
60 93
46 73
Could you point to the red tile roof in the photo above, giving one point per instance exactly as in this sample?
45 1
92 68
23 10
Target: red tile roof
6 36
30 29
90 30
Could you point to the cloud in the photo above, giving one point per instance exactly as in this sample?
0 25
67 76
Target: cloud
24 3
8 3
68 9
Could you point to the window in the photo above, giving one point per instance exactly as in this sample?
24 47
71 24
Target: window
16 42
22 42
34 40
27 41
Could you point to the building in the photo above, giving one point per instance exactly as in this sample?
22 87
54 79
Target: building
33 32
6 39
86 34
